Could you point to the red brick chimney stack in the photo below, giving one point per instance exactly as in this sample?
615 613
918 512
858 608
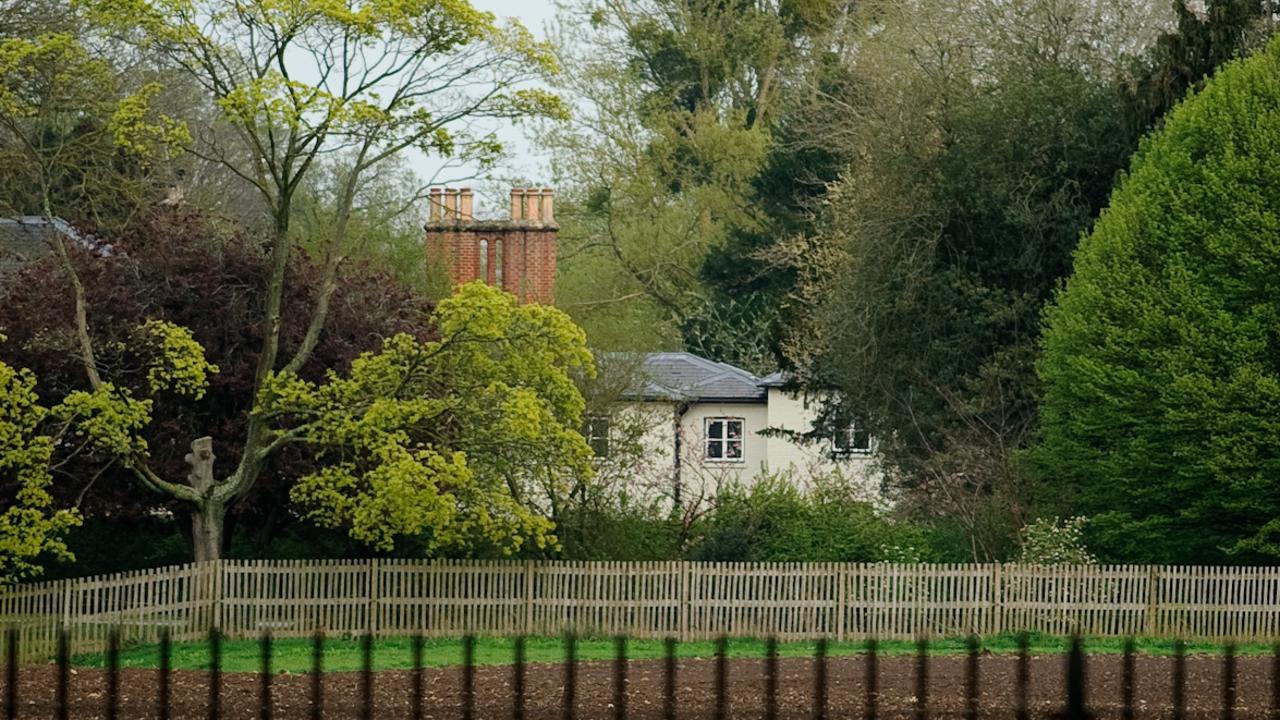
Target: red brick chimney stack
518 254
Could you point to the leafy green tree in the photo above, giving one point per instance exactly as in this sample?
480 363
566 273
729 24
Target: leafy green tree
109 419
677 105
1205 36
1161 381
986 138
201 268
76 140
474 435
29 524
296 81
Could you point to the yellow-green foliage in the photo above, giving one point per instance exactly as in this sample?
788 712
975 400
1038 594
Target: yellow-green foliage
55 74
111 418
135 127
384 43
462 440
108 418
178 364
29 525
55 62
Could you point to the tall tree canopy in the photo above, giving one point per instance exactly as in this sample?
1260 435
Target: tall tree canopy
678 101
1206 35
176 266
983 138
293 83
1161 409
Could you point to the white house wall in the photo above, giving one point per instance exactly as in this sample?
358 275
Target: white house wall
793 412
703 477
650 469
706 474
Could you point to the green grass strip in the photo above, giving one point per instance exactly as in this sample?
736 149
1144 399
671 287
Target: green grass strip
294 655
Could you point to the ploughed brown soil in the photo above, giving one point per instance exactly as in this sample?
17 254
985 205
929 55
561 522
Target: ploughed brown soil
695 690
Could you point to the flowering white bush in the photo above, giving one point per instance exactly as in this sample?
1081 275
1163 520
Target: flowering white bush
901 554
1053 541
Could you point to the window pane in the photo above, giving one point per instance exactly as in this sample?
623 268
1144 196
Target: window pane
714 449
715 430
600 445
735 428
735 450
861 440
596 431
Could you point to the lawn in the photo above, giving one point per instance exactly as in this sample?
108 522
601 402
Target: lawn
295 655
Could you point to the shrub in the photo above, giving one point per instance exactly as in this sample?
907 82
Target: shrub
1053 541
624 529
775 520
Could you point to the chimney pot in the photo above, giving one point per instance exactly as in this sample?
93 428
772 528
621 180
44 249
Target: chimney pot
464 205
519 256
435 204
532 198
451 204
548 213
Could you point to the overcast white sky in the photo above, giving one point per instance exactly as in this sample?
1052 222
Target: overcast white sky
536 15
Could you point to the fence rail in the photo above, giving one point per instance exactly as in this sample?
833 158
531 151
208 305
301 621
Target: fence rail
685 600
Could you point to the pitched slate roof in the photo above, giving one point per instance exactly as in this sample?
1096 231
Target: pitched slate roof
26 238
685 376
775 379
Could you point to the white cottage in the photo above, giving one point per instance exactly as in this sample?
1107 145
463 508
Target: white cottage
698 423
681 424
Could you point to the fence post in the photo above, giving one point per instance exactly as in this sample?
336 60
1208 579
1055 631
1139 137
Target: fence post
374 581
529 584
220 596
1152 616
842 577
997 599
686 577
66 603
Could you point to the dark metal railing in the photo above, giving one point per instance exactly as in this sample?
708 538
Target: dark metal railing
1074 702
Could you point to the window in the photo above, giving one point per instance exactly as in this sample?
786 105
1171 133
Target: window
724 439
850 439
497 263
596 431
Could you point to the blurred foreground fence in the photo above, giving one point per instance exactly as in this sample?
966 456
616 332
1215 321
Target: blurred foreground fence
684 600
821 694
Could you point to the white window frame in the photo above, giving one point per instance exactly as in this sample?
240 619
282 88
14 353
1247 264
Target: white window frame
848 432
589 433
723 442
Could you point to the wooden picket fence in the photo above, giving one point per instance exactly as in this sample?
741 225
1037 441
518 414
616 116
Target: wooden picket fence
684 600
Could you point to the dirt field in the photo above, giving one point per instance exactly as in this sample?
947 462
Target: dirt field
544 688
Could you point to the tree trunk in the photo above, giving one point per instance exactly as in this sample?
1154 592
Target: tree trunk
206 530
209 516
